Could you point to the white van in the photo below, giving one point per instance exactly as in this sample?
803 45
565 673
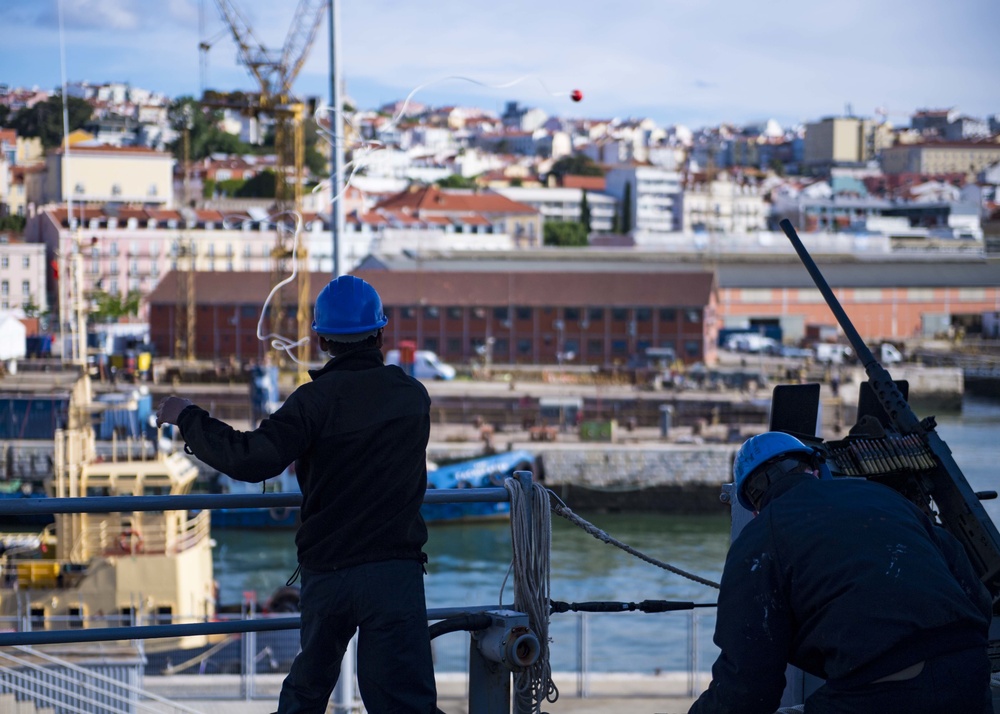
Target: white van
831 353
889 354
426 365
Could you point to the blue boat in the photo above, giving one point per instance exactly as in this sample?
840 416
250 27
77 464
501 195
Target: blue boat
482 472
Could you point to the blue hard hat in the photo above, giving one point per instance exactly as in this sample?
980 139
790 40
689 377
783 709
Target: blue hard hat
348 306
763 449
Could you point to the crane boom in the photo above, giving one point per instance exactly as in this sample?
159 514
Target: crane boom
275 73
298 42
258 60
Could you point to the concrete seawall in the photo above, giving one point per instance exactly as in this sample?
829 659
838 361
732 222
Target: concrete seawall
674 478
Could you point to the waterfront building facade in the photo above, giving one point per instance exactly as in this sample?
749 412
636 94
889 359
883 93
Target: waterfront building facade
889 296
602 320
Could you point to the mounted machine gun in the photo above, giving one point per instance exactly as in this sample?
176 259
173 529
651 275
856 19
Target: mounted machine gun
891 445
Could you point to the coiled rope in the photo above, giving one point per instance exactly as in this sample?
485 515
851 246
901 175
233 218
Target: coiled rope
532 544
563 510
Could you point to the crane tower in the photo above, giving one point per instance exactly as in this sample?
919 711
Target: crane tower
275 72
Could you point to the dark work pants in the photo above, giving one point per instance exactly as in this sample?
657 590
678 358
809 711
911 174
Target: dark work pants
958 682
384 601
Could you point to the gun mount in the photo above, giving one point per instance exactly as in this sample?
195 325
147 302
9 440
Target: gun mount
891 445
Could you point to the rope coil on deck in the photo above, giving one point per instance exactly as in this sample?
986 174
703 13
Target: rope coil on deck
563 510
531 566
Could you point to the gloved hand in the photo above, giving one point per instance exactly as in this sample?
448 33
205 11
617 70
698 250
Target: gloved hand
170 409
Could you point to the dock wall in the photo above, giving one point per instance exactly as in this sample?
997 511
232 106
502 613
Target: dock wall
674 478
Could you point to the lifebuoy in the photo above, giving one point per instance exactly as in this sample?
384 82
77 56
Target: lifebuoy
129 541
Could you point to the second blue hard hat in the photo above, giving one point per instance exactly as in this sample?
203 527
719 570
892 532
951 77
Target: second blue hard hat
762 449
348 306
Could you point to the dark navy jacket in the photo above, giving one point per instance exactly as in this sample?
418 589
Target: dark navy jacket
845 579
359 435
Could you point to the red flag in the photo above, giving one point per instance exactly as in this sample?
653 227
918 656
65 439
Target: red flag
55 268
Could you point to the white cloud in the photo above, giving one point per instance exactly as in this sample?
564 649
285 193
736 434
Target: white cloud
676 60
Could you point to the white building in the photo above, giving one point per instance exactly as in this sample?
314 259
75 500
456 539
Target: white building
13 344
22 274
723 206
98 174
564 204
653 194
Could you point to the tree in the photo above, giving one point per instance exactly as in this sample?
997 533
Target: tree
106 307
45 119
626 219
4 115
564 234
262 185
585 213
204 135
777 166
456 181
13 222
316 161
576 165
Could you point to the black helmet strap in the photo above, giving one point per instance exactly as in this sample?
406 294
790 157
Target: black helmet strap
761 479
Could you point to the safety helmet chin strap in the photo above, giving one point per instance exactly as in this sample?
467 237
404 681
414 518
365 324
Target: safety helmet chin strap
767 474
353 346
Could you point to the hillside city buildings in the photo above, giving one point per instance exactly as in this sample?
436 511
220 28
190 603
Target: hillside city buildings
445 191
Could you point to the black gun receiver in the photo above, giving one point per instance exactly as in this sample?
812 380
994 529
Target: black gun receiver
891 445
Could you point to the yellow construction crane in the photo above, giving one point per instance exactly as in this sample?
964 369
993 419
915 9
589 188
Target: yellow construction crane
275 72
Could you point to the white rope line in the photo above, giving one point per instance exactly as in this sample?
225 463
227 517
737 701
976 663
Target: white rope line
532 544
278 341
563 510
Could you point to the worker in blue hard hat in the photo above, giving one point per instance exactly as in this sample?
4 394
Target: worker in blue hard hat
848 581
358 432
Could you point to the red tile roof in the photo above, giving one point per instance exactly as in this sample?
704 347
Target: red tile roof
108 149
87 214
206 216
588 183
432 199
162 215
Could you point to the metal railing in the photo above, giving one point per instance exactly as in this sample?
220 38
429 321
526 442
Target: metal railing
56 684
253 624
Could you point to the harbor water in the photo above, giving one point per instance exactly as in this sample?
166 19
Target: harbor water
468 564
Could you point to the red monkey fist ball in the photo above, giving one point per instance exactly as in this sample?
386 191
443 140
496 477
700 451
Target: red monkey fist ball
576 95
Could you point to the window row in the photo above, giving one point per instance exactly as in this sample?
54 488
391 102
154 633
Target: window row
455 347
25 288
5 261
568 315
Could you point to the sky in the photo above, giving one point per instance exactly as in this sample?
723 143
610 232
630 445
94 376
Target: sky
692 62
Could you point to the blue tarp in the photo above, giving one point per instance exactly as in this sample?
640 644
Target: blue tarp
32 417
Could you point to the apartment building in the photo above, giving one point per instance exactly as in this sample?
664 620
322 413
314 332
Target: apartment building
842 141
941 157
99 174
648 197
467 208
565 204
723 205
22 274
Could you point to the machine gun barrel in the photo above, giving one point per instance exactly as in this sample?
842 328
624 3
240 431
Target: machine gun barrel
958 506
885 389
